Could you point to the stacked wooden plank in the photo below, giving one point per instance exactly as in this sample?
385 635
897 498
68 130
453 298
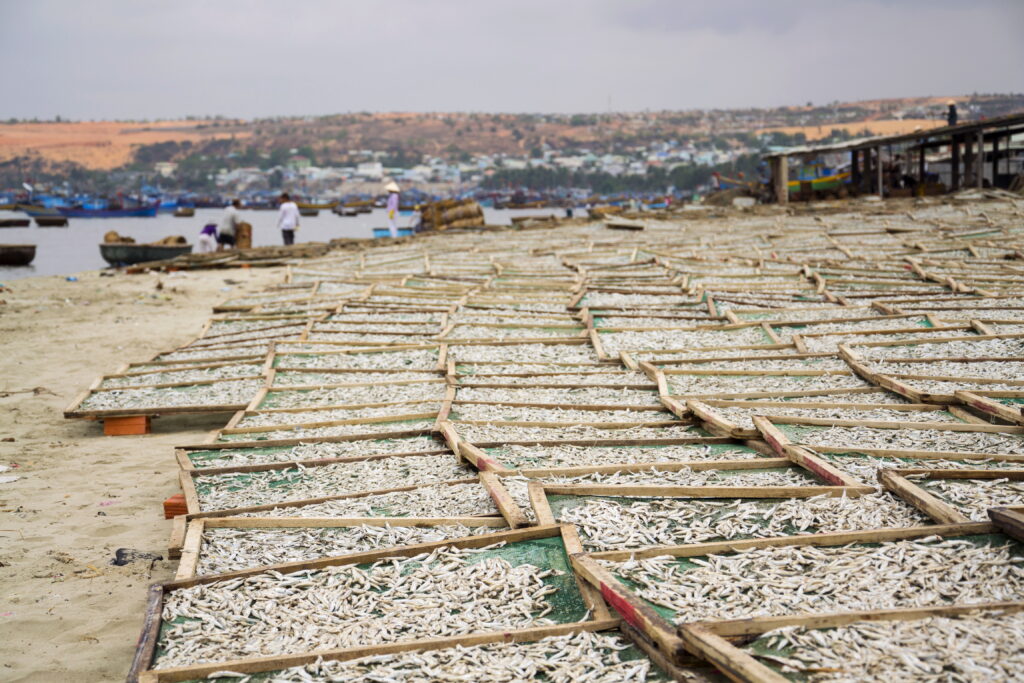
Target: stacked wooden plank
703 448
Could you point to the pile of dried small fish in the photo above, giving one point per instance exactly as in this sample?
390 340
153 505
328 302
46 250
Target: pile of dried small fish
974 497
498 412
523 353
499 433
707 385
608 524
285 418
371 393
226 491
934 649
229 457
582 656
854 438
226 549
313 433
445 593
743 417
221 393
432 500
423 360
803 579
183 375
322 378
865 468
614 342
516 457
582 396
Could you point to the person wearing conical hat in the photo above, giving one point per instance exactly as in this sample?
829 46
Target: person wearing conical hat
392 188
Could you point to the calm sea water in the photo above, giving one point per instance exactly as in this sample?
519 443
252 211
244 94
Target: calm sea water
63 251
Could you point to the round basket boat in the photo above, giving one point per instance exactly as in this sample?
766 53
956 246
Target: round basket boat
17 254
122 254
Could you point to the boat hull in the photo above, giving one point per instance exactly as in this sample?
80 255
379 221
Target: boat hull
830 182
35 211
142 212
17 254
130 254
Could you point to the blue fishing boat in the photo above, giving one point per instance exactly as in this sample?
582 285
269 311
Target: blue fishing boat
137 212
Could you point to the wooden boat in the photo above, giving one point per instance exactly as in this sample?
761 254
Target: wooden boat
309 212
137 212
317 205
51 221
384 232
17 254
346 211
15 222
826 182
184 212
126 254
37 210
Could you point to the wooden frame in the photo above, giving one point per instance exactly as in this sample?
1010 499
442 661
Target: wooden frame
711 640
715 423
74 410
191 548
897 481
142 672
663 634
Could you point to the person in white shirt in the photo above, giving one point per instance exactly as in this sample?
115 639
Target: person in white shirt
228 225
288 218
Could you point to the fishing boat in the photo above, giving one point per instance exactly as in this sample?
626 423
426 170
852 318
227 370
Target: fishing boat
317 205
51 221
184 212
15 222
17 254
309 213
831 181
35 210
126 254
137 212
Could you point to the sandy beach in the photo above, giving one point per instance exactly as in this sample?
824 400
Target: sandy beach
80 496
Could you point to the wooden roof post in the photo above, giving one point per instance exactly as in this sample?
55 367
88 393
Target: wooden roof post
878 170
920 163
981 159
954 181
995 159
780 177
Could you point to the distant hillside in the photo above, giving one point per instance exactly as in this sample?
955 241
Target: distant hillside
406 138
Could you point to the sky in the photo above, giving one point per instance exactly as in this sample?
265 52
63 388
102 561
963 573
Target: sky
146 59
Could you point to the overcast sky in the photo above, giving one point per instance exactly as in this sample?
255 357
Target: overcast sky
170 58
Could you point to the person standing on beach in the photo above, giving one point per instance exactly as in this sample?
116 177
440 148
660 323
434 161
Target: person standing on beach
228 225
393 190
288 219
